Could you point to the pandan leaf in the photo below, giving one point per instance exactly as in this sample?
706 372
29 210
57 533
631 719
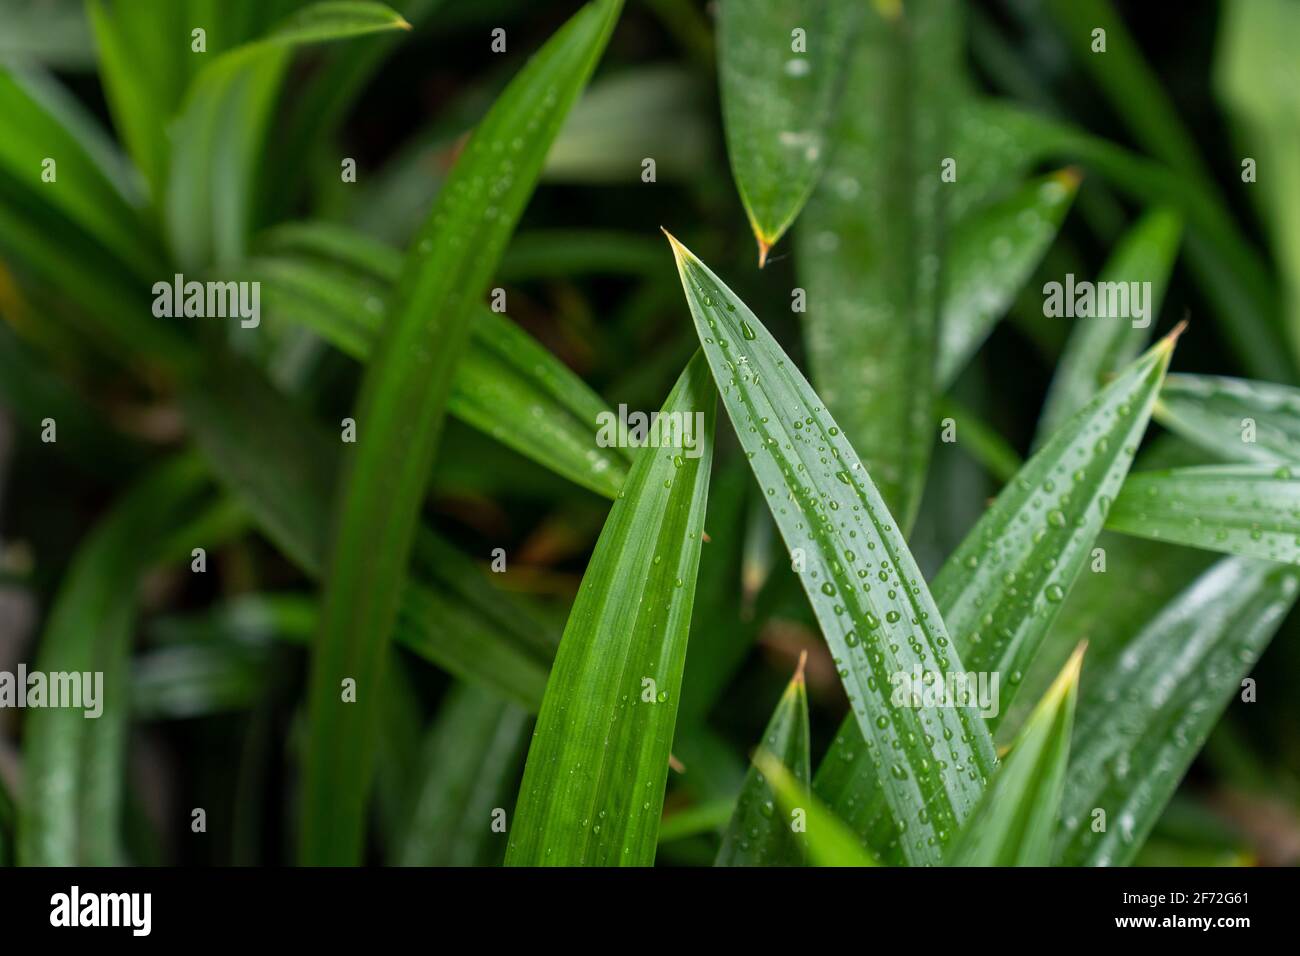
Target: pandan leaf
593 786
1233 418
829 841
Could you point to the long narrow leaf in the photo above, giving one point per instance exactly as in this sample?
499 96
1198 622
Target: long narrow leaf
221 128
1002 588
400 410
594 783
73 767
1232 418
1142 718
780 66
1016 821
508 385
993 250
871 241
871 602
1100 346
830 842
1251 510
469 768
757 835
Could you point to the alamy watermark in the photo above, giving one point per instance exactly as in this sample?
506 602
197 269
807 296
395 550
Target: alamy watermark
958 689
133 911
77 690
654 429
208 300
1101 300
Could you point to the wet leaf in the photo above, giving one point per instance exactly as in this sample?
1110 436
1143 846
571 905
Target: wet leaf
1143 717
781 64
870 599
593 786
1251 510
757 835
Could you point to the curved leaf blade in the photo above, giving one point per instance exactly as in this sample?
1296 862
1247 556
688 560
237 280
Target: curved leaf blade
470 765
594 783
399 417
1233 418
507 386
1251 510
1002 588
1016 821
283 467
871 241
992 253
870 599
1143 717
221 127
756 835
73 766
829 841
778 98
1100 347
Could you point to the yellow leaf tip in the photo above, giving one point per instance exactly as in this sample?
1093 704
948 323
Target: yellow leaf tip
1069 676
1070 177
1177 332
798 671
676 764
891 10
404 24
764 247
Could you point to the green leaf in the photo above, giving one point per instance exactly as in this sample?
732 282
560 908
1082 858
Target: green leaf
81 192
71 809
1099 347
1251 510
469 767
508 385
1232 418
778 100
756 834
283 467
1144 714
53 33
829 841
1101 613
145 65
618 124
992 253
1228 270
1016 821
870 599
399 416
1127 81
195 680
982 442
871 241
1254 74
1001 589
219 134
594 783
721 633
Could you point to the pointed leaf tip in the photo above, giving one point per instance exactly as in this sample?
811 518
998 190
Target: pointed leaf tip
1170 340
764 247
1070 672
798 671
1070 177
